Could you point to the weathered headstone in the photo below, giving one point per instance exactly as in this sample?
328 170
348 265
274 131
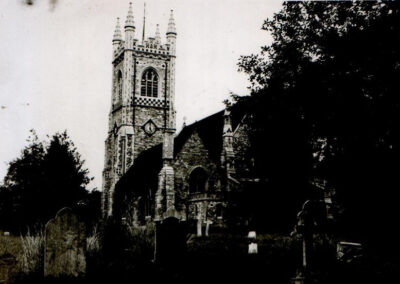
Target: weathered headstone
252 235
199 227
7 263
208 224
253 246
65 246
170 241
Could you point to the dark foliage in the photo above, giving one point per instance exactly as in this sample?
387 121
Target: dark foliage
325 103
44 179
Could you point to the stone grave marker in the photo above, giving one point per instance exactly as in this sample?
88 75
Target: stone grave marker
65 246
253 246
170 241
7 265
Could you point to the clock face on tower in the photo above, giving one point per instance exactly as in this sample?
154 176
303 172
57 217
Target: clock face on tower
149 127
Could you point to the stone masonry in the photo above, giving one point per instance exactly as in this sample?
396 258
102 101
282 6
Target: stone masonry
131 110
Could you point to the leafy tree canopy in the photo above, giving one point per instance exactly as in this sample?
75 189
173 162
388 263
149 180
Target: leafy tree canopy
45 178
325 104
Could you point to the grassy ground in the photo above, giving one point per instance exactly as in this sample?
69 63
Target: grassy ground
10 245
20 256
10 257
218 258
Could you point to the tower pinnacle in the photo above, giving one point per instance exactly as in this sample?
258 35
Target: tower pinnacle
129 19
171 24
144 22
227 122
158 36
142 110
117 33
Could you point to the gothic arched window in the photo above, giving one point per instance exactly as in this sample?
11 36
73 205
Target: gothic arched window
149 86
119 86
198 180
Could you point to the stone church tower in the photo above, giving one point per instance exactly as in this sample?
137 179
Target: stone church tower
142 112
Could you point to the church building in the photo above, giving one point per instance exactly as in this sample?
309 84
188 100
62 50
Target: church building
150 172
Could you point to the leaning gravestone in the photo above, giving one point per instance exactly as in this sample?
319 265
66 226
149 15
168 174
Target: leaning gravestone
65 246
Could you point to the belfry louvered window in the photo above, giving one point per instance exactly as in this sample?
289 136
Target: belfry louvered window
149 86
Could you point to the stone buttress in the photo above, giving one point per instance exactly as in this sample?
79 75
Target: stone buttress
142 112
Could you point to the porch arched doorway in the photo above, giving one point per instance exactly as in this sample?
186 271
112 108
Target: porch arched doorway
198 180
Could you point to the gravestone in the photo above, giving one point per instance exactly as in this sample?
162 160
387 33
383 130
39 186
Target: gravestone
170 241
208 224
65 246
253 246
7 264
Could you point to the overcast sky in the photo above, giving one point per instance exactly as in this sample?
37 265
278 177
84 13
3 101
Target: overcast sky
55 64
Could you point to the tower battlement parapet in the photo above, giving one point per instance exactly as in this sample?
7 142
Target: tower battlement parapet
148 46
142 109
126 40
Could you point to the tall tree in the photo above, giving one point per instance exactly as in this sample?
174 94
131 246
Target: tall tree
45 178
327 85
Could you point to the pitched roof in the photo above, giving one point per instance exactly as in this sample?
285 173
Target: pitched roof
210 130
143 173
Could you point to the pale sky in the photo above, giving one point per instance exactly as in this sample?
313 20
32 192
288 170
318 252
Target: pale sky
55 64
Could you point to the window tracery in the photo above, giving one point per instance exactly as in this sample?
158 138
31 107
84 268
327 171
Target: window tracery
149 84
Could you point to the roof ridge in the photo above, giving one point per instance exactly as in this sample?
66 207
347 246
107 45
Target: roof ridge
204 118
